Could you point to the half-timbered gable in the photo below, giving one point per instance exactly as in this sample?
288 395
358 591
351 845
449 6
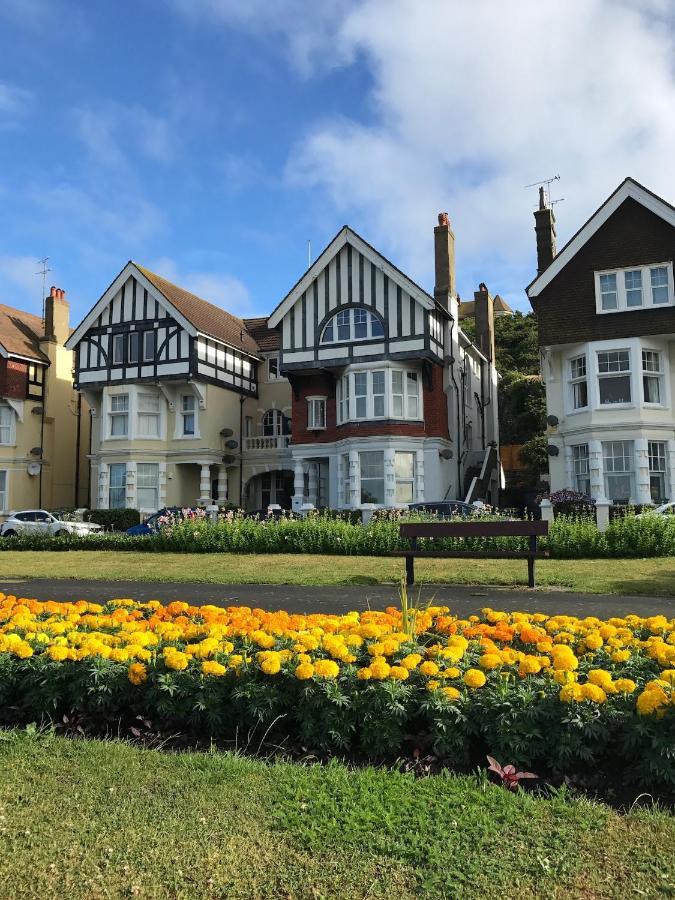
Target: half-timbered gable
354 305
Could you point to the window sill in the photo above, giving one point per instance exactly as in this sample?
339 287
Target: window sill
186 437
604 406
576 412
654 405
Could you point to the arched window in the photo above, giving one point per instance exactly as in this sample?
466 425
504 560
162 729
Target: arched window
275 423
354 324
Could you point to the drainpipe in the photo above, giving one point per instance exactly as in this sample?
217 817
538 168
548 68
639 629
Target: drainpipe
241 451
91 429
42 441
459 419
78 441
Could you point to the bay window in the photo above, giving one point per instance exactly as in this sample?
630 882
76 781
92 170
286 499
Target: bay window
361 394
386 393
148 415
614 376
639 287
316 413
353 324
117 488
581 469
404 468
652 377
147 486
118 416
656 451
618 464
579 382
372 476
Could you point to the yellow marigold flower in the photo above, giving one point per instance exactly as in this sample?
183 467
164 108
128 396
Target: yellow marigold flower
57 653
235 660
474 678
174 659
376 649
593 693
564 659
22 649
651 701
571 692
137 673
304 671
490 661
603 679
364 674
429 668
211 667
593 640
452 693
271 665
625 685
529 665
669 676
433 685
620 656
399 673
326 668
411 661
389 647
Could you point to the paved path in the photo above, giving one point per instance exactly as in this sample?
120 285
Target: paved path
336 598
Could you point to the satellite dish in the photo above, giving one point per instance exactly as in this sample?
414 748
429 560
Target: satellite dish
36 451
552 450
228 459
33 468
231 445
446 454
226 432
552 421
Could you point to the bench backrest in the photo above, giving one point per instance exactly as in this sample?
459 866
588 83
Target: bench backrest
473 529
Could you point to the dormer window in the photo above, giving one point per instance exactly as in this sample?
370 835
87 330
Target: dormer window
354 324
637 288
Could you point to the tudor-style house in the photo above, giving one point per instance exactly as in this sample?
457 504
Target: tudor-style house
392 404
44 430
605 305
359 390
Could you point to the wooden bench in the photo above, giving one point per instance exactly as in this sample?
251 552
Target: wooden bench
414 530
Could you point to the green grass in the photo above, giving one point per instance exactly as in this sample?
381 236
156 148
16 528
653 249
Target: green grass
601 576
93 819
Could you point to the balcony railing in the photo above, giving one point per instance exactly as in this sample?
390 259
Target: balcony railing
263 442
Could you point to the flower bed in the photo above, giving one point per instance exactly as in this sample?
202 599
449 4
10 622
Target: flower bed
556 694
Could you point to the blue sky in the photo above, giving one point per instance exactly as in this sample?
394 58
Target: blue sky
210 139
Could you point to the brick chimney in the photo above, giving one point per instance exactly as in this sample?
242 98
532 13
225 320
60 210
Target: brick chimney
484 317
57 316
544 227
444 252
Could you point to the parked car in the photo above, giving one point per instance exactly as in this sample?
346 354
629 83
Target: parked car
445 509
666 509
41 521
151 524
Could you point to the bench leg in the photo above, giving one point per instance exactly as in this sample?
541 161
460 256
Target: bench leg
410 570
530 562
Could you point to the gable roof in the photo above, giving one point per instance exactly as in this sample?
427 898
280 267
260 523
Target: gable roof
195 315
265 337
20 334
629 188
347 235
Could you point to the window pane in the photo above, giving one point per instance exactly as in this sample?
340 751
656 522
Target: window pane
119 402
372 476
578 366
343 328
412 388
119 425
615 390
188 423
608 295
273 367
404 465
188 402
652 389
657 456
133 347
376 329
633 282
149 345
659 280
118 349
651 361
148 402
117 490
328 334
580 395
614 361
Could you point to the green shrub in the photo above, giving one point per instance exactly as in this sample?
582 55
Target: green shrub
115 519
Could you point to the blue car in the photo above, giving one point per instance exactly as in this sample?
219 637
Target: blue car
150 525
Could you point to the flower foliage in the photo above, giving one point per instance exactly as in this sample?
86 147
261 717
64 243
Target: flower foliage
551 692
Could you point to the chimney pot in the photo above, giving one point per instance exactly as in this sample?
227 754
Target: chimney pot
443 219
52 291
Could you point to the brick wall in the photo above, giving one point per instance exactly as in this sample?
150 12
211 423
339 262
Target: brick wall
320 384
13 379
632 236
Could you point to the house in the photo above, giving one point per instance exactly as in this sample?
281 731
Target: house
605 306
360 388
44 428
501 308
391 402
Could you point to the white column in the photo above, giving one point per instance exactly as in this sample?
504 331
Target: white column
569 473
162 485
602 513
131 494
419 468
313 485
643 493
205 484
670 472
103 486
597 470
222 485
298 485
389 477
546 508
354 479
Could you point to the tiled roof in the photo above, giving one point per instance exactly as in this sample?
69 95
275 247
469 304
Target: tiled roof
206 318
20 333
265 337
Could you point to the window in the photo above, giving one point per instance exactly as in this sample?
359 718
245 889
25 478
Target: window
652 377
656 451
272 423
273 368
633 281
659 283
6 424
316 412
581 469
3 489
119 415
372 476
466 381
187 411
133 347
149 343
636 288
353 324
118 349
379 394
618 462
148 415
614 376
579 382
147 486
117 491
404 467
35 381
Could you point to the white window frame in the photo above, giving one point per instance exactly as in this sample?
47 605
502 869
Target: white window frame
277 423
575 380
405 480
271 376
119 340
9 426
117 487
184 413
347 397
655 375
350 314
142 470
151 357
363 479
4 490
657 453
647 288
622 373
629 471
581 468
154 413
122 413
316 413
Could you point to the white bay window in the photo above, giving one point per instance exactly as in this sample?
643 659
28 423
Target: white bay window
652 377
379 393
619 470
581 469
656 451
118 416
614 377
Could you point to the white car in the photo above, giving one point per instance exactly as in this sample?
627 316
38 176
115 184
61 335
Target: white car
41 521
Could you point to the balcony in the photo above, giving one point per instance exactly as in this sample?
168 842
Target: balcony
263 442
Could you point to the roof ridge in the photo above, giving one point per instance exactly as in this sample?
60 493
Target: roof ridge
149 272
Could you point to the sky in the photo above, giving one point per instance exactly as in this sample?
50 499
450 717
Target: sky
210 140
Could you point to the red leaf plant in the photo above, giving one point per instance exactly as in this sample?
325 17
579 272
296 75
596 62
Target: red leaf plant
510 778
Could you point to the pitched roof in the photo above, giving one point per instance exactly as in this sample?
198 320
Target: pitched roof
265 337
20 333
207 318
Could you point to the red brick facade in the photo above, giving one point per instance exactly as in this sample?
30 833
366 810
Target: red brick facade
13 379
565 308
320 384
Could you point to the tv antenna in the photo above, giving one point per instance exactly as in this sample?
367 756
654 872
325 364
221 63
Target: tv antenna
545 190
43 271
309 253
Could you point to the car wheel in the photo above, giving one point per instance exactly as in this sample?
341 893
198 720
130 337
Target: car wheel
60 533
9 533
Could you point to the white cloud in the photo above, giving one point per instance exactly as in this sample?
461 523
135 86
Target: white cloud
15 102
20 285
220 289
469 104
112 131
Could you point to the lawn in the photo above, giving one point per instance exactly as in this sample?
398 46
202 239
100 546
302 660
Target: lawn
90 819
655 576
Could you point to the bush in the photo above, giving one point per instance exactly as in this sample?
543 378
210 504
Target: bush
555 694
114 519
